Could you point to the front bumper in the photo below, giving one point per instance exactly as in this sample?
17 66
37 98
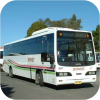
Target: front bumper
78 80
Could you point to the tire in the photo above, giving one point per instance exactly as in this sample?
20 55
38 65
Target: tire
37 79
11 72
41 79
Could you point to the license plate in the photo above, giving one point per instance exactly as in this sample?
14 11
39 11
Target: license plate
78 82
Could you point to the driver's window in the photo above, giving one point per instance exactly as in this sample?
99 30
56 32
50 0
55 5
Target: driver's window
47 47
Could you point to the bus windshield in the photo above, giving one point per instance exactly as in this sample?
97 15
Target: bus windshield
74 49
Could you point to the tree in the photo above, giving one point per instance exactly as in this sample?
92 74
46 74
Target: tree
60 23
74 23
96 37
40 20
35 27
47 21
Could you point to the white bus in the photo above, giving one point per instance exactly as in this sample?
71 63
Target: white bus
1 57
52 55
98 59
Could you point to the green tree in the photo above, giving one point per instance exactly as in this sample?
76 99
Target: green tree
47 21
41 20
74 23
96 37
35 27
60 23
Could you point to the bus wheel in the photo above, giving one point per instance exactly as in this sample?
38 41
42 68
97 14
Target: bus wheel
11 72
37 79
41 78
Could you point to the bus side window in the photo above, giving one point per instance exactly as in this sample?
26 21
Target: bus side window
22 48
16 48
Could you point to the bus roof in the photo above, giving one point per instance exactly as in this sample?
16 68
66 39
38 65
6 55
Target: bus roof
46 30
56 28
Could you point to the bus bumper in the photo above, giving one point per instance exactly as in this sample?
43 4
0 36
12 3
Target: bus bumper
64 80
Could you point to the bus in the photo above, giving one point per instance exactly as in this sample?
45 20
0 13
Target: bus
52 55
98 59
1 57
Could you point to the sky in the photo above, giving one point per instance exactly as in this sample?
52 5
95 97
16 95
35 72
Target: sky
17 16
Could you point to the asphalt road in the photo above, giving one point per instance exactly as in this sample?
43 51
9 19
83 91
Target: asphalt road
23 88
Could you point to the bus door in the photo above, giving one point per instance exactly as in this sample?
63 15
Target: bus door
47 49
44 57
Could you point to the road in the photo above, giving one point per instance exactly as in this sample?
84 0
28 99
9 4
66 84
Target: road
23 88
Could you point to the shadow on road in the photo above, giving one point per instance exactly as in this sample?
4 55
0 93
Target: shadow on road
61 87
7 90
70 86
24 79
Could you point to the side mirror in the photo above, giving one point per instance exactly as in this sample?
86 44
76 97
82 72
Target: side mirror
51 59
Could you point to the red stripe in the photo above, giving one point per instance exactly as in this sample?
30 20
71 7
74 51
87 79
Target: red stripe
41 67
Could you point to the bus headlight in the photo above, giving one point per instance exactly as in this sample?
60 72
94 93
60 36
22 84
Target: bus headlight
63 74
60 74
91 73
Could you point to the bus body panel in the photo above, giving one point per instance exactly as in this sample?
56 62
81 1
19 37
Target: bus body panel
78 74
1 61
98 65
26 67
